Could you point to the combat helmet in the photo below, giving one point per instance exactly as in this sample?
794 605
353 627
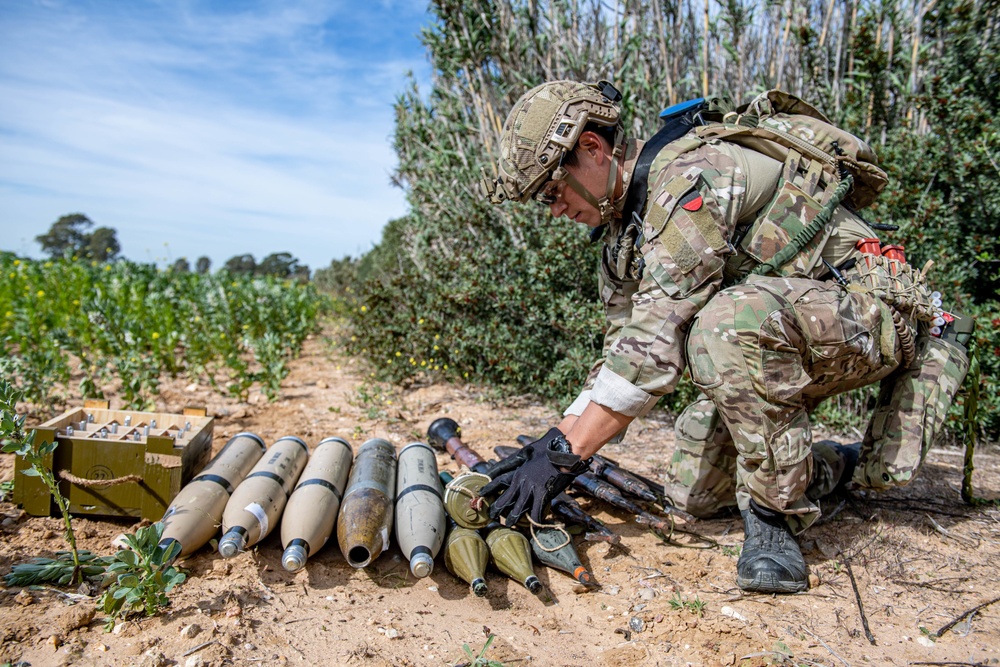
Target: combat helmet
541 129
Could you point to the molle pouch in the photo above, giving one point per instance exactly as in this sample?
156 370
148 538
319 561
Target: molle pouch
686 246
911 408
627 260
791 210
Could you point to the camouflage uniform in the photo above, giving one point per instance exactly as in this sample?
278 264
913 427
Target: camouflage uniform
764 353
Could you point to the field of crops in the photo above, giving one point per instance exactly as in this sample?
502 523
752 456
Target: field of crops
95 323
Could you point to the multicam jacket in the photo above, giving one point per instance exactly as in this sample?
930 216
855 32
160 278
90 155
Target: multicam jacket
658 272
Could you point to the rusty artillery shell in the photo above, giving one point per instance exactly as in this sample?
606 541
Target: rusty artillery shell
555 549
311 512
462 502
466 556
365 519
257 503
511 555
420 518
194 515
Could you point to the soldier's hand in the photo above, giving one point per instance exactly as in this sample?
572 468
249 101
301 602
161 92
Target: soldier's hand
530 479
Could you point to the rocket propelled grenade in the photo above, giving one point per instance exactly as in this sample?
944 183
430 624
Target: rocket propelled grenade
365 519
193 517
511 554
420 517
466 556
311 513
256 504
555 549
445 434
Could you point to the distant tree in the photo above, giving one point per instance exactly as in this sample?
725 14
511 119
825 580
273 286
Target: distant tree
280 265
102 245
69 235
181 266
241 264
203 265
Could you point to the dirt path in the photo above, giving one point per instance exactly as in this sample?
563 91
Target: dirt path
919 556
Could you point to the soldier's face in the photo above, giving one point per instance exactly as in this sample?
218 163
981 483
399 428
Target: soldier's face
592 173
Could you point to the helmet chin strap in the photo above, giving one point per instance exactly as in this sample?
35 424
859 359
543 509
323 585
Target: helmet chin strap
606 205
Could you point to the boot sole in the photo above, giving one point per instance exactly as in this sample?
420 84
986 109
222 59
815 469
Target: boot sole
765 584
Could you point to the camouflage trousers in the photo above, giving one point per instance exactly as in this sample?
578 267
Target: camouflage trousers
764 354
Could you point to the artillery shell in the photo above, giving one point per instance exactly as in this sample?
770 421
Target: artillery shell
257 503
420 518
193 517
311 512
365 519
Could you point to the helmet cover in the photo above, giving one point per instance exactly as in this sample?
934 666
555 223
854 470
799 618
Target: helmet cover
544 125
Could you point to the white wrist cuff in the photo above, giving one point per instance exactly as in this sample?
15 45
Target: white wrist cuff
618 394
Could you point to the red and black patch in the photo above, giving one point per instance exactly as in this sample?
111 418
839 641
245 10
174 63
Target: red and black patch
692 201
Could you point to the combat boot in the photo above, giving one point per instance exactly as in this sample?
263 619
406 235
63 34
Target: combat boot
770 561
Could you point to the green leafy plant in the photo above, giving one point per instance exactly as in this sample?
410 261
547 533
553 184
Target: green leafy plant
60 570
480 660
141 576
6 489
16 441
678 603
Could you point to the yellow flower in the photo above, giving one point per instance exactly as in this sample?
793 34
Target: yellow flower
435 348
47 265
423 363
40 293
436 336
420 321
17 262
107 267
197 318
156 334
364 309
93 262
398 353
76 302
446 366
10 314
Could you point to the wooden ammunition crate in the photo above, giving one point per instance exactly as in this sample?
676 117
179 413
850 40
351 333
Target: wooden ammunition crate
117 462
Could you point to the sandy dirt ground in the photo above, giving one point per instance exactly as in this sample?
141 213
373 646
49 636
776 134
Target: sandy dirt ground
920 559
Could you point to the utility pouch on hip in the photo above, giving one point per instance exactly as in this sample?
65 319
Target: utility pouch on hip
912 406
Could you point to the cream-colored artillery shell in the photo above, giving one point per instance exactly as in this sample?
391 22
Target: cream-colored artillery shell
193 517
311 512
256 504
365 519
420 520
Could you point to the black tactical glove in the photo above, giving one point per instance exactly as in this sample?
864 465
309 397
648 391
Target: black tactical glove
531 478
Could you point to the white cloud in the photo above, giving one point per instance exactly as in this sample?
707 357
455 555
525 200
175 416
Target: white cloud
218 133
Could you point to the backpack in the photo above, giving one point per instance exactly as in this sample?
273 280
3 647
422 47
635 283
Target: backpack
824 166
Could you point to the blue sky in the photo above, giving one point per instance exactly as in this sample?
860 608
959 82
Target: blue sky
205 128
